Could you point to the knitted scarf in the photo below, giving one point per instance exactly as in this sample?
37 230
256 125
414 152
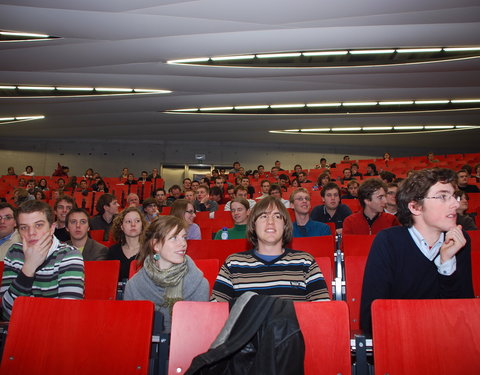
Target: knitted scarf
170 279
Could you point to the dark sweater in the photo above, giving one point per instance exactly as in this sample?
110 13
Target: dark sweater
397 269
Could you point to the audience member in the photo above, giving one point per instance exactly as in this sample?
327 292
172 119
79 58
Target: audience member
276 191
131 180
62 207
270 268
184 210
463 218
371 170
39 260
391 206
11 171
239 192
265 187
303 226
203 201
426 258
133 201
463 184
372 218
167 275
240 209
190 196
355 173
150 209
128 227
161 196
28 171
8 232
175 193
347 175
352 188
78 225
107 207
331 211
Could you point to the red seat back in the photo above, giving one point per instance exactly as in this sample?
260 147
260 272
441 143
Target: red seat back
357 244
354 270
101 279
325 265
475 239
476 272
78 337
210 268
323 246
426 336
195 325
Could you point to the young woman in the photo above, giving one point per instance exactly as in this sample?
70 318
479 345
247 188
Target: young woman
39 195
240 209
168 274
127 228
42 185
184 210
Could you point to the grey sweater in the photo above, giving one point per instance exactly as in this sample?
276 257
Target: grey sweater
141 287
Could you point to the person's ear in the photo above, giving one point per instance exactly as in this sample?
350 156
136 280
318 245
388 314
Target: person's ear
415 208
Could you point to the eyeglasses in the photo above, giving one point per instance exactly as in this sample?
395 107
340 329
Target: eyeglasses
444 197
300 199
6 217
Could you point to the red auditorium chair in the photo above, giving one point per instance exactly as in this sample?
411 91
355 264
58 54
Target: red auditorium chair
475 239
101 279
219 249
476 273
354 270
325 265
357 244
195 325
69 337
418 337
322 246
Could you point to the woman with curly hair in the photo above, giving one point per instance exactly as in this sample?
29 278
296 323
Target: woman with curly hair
127 228
168 275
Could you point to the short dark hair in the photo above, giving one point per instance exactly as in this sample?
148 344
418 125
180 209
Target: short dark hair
7 205
174 187
387 176
274 187
104 200
415 187
259 209
66 198
368 187
239 187
329 186
147 202
215 190
76 210
31 206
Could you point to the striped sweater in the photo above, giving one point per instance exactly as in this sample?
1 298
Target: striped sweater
293 275
60 276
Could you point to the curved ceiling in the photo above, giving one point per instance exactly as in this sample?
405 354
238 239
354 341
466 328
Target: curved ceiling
120 43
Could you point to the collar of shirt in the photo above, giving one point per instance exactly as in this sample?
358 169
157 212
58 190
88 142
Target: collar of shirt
55 244
6 238
430 253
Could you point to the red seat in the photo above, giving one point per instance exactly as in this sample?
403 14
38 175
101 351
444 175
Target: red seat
317 246
353 204
324 325
101 279
219 249
357 244
78 337
475 239
426 336
354 270
325 265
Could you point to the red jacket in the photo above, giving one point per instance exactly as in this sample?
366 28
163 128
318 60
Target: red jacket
357 224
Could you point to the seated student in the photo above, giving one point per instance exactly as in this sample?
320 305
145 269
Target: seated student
276 191
426 258
107 208
130 180
40 260
245 182
265 187
303 226
352 188
463 184
240 209
184 210
175 193
391 207
150 209
78 225
8 228
270 268
239 192
203 201
62 207
331 211
371 170
372 218
347 175
355 173
127 229
463 218
168 275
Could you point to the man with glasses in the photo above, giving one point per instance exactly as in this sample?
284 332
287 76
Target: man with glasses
372 218
303 226
428 257
8 232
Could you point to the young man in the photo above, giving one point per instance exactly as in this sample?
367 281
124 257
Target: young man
62 207
175 193
161 197
246 184
270 268
463 184
203 202
265 186
150 209
239 192
372 218
426 258
303 226
40 266
236 168
347 175
302 178
276 191
331 211
352 188
78 225
391 207
107 207
190 196
8 232
187 184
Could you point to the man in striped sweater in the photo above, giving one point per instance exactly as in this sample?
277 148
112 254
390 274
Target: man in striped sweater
40 266
270 268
